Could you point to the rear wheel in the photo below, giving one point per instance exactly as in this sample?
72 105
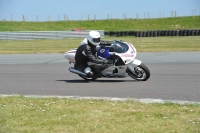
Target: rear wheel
140 73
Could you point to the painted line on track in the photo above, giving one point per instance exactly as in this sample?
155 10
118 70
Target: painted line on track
144 100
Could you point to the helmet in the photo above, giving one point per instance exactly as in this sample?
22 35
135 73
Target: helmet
94 38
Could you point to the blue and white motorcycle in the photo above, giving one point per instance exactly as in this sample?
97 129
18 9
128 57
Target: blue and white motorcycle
123 54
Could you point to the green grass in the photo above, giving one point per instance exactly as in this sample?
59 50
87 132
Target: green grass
56 115
151 44
144 44
107 25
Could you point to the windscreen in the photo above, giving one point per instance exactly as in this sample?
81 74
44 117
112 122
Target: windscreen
119 47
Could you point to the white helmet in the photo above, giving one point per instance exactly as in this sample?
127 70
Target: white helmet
94 38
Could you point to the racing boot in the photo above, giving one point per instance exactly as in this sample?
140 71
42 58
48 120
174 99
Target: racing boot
89 72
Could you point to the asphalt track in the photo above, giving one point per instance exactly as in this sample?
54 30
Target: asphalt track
174 76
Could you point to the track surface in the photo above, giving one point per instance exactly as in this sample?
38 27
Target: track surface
174 76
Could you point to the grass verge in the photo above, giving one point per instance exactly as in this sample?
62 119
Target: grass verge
143 44
107 25
46 115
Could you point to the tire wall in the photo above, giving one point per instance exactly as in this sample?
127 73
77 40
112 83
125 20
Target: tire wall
154 33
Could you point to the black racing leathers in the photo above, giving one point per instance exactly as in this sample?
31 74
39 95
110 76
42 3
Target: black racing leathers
85 53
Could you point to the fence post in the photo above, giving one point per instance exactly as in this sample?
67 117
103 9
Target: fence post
175 14
137 17
23 18
94 18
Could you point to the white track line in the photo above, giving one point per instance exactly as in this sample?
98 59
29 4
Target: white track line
144 100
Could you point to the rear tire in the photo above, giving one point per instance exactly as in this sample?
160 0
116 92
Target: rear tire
141 73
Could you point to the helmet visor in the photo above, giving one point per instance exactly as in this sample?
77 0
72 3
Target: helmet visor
96 40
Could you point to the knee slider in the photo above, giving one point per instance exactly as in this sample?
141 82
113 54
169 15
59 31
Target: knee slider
89 72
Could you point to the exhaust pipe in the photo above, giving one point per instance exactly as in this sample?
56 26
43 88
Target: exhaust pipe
73 70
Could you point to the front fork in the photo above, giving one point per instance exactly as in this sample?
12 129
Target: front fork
133 67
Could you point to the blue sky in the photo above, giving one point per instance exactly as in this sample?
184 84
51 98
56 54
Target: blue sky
102 9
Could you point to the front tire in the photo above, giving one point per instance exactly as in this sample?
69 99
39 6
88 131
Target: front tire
141 73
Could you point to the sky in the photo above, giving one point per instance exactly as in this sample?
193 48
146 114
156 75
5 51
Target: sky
54 10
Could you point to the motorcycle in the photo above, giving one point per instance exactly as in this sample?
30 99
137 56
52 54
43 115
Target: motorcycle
123 55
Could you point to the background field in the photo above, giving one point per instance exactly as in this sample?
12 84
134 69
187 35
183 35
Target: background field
151 44
144 44
107 25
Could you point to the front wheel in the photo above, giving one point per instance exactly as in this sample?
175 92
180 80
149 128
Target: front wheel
140 73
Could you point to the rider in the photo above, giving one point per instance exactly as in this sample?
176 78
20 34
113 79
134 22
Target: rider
86 52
